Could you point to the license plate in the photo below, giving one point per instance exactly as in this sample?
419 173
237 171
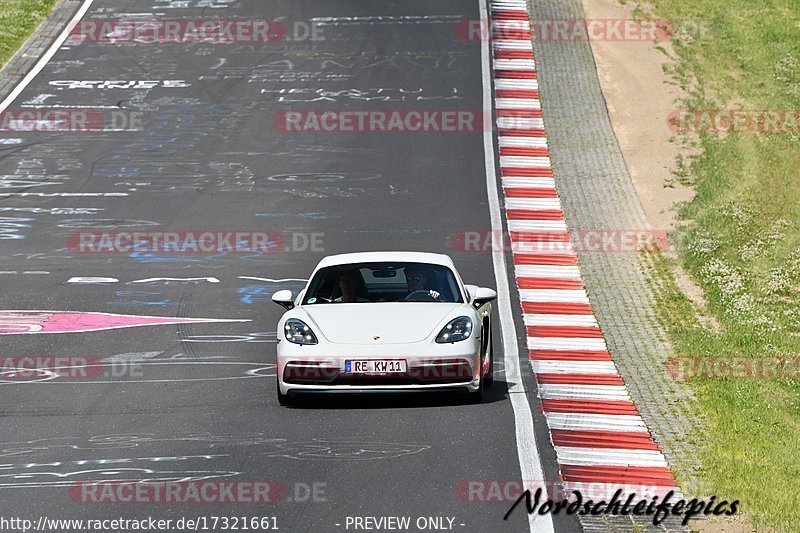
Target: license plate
374 366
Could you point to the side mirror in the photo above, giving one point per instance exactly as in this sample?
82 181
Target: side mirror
284 299
472 290
483 296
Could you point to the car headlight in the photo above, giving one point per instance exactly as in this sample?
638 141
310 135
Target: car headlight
298 332
458 329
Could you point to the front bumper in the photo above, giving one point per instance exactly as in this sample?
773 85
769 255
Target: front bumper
303 369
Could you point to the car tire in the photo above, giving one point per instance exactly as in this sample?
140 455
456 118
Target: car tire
489 377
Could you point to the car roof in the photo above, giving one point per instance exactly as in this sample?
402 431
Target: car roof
374 257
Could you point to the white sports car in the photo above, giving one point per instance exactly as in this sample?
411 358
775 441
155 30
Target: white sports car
385 322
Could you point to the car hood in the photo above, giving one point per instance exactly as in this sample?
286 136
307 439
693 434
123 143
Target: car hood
392 323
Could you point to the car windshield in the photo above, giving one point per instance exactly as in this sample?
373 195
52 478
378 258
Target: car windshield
383 282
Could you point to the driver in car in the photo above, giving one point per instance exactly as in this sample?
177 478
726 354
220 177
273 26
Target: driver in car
417 281
351 284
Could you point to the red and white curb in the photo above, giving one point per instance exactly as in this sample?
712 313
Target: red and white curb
598 435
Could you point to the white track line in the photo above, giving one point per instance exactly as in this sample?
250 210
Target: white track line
46 57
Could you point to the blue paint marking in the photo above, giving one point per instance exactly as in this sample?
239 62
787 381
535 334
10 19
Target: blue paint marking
269 247
160 137
143 257
138 303
10 227
148 257
141 299
255 293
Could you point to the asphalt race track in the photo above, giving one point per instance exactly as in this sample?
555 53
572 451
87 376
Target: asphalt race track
196 145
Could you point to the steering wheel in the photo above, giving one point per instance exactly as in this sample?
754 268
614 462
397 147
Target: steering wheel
422 295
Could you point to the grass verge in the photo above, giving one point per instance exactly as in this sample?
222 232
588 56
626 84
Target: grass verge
18 19
740 241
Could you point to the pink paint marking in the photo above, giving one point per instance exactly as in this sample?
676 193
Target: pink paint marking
33 322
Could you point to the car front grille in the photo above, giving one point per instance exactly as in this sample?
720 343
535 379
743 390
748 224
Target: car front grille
441 373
